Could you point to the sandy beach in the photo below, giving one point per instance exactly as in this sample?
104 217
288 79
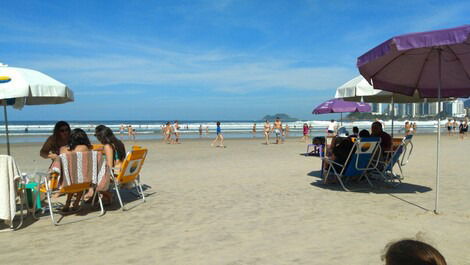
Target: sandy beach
252 203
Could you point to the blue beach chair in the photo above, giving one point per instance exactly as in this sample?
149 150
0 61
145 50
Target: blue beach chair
359 162
399 157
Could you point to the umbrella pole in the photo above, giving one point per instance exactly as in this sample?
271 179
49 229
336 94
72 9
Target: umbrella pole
393 113
436 206
341 119
6 125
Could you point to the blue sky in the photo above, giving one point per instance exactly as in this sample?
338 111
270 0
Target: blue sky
225 59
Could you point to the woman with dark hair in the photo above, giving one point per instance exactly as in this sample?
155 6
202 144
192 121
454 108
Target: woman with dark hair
412 252
59 138
114 152
78 142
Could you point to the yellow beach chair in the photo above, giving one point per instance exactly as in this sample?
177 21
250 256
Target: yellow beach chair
73 173
130 173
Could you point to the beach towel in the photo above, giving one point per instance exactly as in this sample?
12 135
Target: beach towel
9 173
82 167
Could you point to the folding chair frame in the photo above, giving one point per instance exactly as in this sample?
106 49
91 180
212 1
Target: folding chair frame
50 191
371 165
139 191
398 157
22 194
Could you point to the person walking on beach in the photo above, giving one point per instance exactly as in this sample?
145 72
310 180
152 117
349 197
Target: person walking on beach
121 131
454 126
277 127
287 129
219 137
168 132
176 131
200 130
253 131
207 130
267 131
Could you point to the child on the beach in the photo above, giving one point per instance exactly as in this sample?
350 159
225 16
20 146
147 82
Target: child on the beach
219 136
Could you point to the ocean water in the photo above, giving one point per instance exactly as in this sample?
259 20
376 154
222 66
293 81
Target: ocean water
38 131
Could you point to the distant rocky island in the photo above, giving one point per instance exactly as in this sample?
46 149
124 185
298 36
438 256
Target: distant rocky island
282 116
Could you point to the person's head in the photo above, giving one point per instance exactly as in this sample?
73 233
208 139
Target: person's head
364 133
355 130
61 130
305 125
78 137
218 123
277 119
376 128
332 120
106 136
412 252
406 123
266 121
176 122
167 123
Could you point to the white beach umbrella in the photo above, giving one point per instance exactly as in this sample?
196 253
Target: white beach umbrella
359 90
21 86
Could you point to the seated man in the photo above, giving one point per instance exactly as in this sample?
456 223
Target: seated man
385 138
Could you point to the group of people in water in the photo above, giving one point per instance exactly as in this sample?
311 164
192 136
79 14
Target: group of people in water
65 140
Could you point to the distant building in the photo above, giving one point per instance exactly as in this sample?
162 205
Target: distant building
454 108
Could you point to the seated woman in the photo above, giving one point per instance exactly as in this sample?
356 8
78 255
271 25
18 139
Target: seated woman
59 138
340 149
115 153
79 142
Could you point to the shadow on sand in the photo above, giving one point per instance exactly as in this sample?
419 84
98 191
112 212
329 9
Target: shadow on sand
379 188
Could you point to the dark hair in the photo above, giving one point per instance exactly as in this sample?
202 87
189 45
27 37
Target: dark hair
355 130
218 123
106 136
57 127
78 137
364 133
332 120
412 252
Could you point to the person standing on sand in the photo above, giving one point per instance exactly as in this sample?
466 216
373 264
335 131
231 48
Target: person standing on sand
253 131
176 131
267 131
407 128
449 127
207 129
305 136
331 131
121 131
219 137
287 130
277 127
200 130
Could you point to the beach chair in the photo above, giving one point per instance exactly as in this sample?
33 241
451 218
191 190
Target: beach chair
76 172
12 193
129 173
400 157
359 162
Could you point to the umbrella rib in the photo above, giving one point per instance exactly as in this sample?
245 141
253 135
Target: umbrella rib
422 69
458 59
387 64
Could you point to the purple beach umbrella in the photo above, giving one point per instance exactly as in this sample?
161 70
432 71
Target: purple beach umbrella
339 106
435 64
